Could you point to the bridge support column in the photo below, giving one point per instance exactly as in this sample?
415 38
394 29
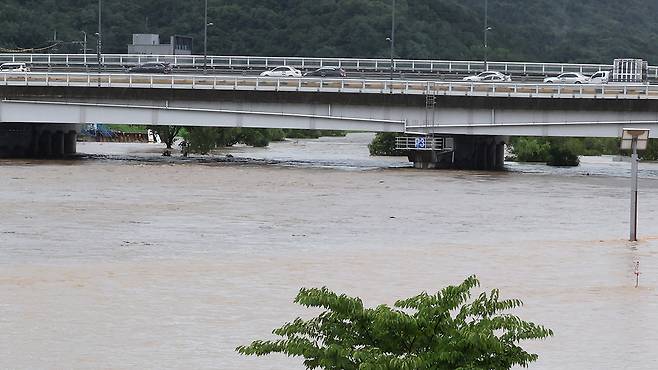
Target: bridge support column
45 149
33 140
58 144
470 153
70 142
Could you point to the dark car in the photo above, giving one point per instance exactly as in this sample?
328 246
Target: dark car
327 72
151 67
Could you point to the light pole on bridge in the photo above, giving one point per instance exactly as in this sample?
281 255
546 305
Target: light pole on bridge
205 37
392 38
486 31
99 42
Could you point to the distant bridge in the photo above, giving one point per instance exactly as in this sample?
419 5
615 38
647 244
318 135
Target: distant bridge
476 117
259 63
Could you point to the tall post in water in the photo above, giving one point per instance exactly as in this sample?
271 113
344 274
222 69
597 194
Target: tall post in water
634 159
634 139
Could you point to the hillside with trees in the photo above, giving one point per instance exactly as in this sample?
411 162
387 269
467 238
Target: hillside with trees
538 30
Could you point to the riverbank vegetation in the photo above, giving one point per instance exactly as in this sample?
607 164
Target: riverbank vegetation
203 140
558 151
384 144
445 330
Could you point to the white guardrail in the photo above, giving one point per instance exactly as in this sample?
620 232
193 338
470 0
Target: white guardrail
349 64
233 82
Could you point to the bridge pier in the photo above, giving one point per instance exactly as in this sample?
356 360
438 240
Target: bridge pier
470 153
28 140
58 144
70 142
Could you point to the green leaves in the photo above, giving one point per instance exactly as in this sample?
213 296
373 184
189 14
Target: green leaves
427 331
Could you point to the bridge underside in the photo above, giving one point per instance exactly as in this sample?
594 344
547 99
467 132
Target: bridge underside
479 124
33 140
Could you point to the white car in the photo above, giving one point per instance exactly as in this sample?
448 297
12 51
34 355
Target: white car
283 71
568 78
495 78
483 75
14 67
600 77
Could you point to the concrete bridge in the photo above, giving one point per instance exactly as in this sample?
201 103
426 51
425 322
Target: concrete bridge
469 121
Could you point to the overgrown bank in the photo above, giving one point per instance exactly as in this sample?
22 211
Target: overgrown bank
554 151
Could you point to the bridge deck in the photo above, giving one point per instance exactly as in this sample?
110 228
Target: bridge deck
318 85
306 63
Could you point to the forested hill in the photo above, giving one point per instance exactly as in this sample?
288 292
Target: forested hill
533 30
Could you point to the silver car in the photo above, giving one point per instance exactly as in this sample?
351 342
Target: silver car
282 71
568 78
482 76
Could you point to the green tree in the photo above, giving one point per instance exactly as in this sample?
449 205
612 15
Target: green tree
564 151
439 331
202 140
384 144
167 134
651 154
530 149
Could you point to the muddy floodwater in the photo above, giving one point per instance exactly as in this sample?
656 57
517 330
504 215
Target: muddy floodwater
126 260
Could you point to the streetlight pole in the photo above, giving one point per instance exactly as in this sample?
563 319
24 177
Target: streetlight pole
486 31
205 38
392 39
84 45
99 42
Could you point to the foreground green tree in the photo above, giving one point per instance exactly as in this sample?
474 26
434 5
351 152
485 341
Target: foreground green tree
439 331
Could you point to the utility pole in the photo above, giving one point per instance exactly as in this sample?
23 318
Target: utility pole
486 31
205 38
84 44
99 42
392 38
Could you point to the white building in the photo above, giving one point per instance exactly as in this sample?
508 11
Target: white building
149 43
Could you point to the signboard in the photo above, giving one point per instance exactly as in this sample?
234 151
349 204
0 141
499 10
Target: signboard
420 143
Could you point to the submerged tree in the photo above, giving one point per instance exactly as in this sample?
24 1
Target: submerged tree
439 331
167 134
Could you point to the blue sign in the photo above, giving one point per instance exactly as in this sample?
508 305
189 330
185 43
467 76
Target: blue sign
419 142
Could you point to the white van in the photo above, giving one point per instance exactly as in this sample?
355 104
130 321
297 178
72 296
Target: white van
14 67
600 77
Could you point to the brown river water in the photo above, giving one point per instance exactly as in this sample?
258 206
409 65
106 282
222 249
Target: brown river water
127 260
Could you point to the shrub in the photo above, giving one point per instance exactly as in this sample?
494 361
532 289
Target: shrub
438 331
384 144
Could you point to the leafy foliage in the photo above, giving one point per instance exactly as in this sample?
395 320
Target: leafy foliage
438 331
167 134
384 144
564 152
541 30
530 149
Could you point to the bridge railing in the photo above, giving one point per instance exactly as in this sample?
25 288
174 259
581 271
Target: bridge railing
333 85
262 63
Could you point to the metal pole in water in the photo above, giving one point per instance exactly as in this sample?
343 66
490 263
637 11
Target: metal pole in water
634 159
637 274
